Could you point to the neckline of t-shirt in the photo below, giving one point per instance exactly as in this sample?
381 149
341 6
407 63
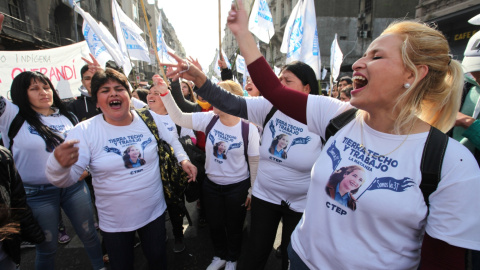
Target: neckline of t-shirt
370 131
136 118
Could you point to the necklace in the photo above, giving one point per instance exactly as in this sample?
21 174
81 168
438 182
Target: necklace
378 156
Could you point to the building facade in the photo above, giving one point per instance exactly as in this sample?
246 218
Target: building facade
451 17
356 23
43 24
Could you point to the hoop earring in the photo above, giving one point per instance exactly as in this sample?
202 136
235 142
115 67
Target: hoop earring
407 85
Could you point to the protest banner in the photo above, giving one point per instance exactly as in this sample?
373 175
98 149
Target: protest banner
61 65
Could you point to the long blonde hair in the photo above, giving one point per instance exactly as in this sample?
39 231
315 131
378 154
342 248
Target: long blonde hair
436 98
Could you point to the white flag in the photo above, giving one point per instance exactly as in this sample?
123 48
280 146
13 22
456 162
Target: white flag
100 40
130 35
277 70
162 47
300 40
240 64
336 58
216 68
324 73
261 22
475 20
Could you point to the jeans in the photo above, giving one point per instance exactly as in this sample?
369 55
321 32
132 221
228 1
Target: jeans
295 262
152 236
225 209
45 201
265 218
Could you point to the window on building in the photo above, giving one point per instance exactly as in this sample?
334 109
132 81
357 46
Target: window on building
14 8
368 6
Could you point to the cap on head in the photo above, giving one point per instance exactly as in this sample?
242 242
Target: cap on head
471 60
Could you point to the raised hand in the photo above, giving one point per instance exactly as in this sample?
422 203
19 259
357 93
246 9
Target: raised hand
159 84
93 66
195 62
237 20
186 70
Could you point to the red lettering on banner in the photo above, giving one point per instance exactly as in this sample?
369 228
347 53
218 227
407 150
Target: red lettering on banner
54 73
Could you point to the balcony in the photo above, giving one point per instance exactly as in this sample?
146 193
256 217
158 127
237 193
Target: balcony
21 31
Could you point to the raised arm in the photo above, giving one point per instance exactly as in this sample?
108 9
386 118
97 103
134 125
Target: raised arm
223 100
289 101
183 104
178 117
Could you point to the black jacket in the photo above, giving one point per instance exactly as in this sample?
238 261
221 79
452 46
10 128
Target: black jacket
83 107
13 196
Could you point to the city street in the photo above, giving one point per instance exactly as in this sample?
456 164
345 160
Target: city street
197 255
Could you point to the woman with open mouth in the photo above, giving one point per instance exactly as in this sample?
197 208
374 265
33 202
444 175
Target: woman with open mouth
129 199
407 90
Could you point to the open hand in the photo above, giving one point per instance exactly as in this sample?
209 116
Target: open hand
186 70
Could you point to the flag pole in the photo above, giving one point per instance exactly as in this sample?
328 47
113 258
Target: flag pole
220 30
162 72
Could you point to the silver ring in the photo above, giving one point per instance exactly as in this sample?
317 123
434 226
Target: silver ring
71 155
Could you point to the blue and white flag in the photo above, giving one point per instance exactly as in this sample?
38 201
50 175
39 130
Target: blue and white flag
216 68
300 39
240 63
324 73
127 67
132 39
336 58
100 41
261 22
162 47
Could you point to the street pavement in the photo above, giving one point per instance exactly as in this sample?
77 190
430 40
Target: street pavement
197 255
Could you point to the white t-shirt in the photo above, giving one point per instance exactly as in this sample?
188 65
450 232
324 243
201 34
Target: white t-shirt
385 230
29 150
283 174
137 103
170 125
225 157
123 162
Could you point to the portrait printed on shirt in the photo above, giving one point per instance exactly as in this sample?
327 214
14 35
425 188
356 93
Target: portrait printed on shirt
284 137
132 157
220 150
222 143
133 149
344 183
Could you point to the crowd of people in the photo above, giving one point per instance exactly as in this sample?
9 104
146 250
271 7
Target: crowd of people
362 177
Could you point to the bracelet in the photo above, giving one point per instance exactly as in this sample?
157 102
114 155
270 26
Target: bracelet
166 93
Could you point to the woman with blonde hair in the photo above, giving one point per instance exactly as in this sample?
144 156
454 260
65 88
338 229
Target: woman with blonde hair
404 85
226 186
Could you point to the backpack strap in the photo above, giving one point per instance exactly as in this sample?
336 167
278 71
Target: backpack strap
339 122
245 131
179 130
432 161
14 128
210 126
269 116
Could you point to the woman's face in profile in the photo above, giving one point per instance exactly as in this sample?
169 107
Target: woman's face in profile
185 89
353 180
283 142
